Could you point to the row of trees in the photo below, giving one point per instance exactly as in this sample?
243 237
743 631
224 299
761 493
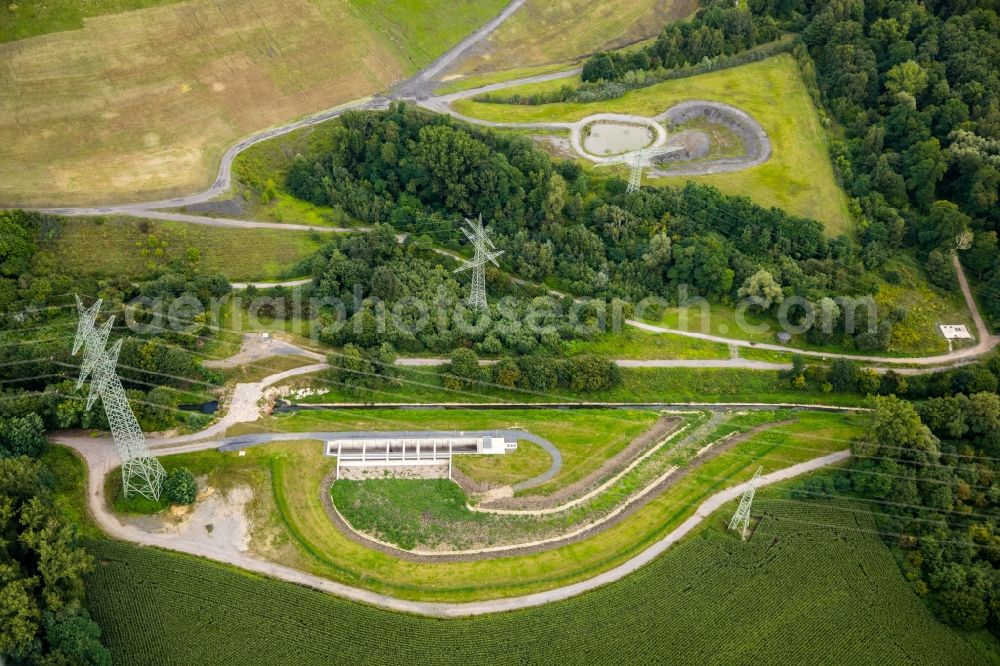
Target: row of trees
720 28
579 374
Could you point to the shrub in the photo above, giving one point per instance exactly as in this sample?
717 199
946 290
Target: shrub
180 487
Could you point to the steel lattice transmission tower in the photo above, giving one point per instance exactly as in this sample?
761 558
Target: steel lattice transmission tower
741 519
141 472
485 252
639 160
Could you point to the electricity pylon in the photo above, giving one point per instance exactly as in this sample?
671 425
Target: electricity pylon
485 252
141 472
639 160
741 519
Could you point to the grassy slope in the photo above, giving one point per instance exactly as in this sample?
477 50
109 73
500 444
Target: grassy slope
527 461
142 104
423 385
419 28
240 254
798 177
314 544
823 588
917 334
543 32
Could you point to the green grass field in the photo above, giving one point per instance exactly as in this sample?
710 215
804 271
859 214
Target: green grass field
134 248
20 20
813 585
798 178
633 343
528 460
419 28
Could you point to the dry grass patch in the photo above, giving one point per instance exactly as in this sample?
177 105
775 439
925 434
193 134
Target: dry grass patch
543 31
143 103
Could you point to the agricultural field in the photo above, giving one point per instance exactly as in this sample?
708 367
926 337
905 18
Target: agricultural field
815 566
23 20
541 33
141 104
799 176
135 248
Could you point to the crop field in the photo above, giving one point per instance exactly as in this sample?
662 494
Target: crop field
813 585
297 531
798 178
421 30
543 32
134 248
141 104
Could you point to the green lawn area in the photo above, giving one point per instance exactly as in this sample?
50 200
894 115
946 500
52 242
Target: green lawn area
633 343
28 18
135 248
585 438
423 29
527 461
798 178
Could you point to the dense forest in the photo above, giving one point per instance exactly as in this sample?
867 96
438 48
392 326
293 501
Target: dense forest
419 173
914 87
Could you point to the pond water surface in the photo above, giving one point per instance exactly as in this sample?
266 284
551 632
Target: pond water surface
611 138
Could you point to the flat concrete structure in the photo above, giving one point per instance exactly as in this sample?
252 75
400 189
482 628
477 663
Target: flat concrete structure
412 450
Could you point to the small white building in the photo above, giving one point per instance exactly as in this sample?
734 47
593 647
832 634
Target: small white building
375 450
955 332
